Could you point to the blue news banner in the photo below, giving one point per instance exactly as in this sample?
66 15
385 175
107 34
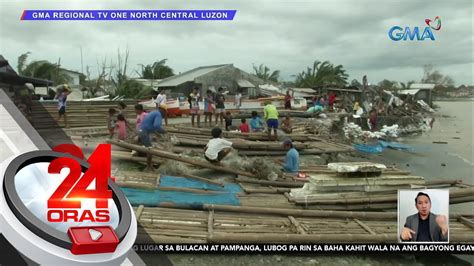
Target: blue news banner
466 248
128 14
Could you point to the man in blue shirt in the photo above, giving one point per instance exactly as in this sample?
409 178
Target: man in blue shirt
292 162
151 123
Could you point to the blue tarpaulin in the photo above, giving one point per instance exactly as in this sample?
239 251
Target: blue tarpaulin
226 194
368 148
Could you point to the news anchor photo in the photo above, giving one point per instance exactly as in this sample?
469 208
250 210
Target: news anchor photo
425 226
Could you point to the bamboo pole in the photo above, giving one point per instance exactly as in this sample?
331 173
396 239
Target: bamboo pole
466 222
303 213
219 237
210 224
454 196
366 228
179 158
297 225
139 212
286 184
202 179
191 190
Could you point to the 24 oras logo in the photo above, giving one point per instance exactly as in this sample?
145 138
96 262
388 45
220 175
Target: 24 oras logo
397 33
65 204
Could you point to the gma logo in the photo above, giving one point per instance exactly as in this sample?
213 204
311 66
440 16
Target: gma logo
397 33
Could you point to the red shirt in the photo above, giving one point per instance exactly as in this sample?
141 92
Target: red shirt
244 128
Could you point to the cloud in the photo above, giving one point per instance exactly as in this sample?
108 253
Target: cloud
283 35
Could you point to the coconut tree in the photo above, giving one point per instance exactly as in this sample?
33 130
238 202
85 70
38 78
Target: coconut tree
157 70
263 72
42 69
322 74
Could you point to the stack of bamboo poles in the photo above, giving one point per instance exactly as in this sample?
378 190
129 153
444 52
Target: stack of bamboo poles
79 114
256 144
234 224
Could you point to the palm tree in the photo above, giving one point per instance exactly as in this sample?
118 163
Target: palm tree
22 62
157 70
263 72
41 69
322 74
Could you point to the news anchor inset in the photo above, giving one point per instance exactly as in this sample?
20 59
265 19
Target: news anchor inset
425 226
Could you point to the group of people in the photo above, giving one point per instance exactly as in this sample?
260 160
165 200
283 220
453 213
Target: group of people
214 105
218 148
321 103
145 125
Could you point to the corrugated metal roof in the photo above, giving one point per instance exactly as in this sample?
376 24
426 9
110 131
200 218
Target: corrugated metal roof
304 90
188 76
409 92
243 83
428 86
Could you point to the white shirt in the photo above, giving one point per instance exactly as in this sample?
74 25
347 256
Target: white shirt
160 99
214 146
237 99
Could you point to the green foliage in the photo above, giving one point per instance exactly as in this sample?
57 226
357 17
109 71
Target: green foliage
356 83
41 69
133 89
388 84
435 77
157 70
322 74
22 62
263 72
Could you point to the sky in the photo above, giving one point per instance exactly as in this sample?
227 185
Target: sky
284 35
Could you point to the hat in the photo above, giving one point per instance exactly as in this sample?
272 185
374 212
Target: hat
288 142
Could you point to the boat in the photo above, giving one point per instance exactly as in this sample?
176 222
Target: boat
179 106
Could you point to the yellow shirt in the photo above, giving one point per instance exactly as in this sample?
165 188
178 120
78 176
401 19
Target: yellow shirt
270 112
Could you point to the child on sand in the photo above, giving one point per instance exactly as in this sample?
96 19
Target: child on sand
244 127
121 127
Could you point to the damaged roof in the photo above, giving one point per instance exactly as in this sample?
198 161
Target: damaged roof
189 76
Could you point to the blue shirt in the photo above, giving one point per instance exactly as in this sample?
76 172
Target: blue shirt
152 122
292 162
255 123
